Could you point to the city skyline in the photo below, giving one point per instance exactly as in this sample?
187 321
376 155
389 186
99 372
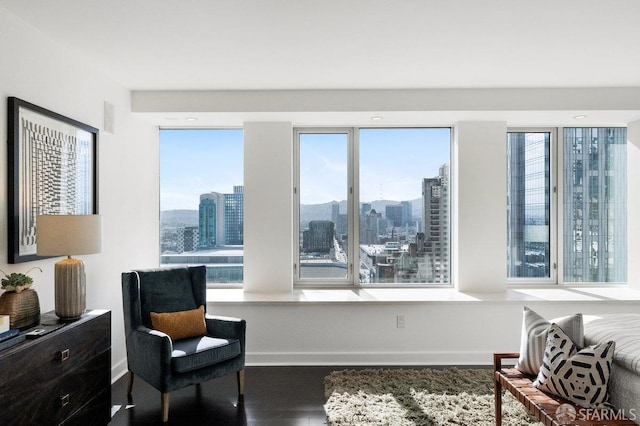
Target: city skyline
190 163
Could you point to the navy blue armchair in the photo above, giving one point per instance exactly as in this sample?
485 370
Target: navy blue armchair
170 365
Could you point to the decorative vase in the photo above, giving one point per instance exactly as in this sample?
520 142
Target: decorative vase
22 307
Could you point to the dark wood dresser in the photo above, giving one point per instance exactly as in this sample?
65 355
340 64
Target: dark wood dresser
61 378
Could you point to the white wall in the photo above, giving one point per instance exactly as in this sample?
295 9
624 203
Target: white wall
480 233
43 73
435 333
633 203
268 217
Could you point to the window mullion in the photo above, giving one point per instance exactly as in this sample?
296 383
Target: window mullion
353 209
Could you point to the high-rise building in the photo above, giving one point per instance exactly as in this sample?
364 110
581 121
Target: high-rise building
393 213
335 212
211 220
435 216
528 205
595 205
189 240
371 223
221 218
234 216
319 236
407 214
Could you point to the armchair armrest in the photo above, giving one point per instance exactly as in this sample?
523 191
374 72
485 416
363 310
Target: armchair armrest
149 354
226 327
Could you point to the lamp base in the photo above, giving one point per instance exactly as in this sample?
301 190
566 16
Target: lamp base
70 289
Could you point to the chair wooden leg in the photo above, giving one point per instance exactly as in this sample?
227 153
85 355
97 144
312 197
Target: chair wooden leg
498 400
130 387
240 375
165 407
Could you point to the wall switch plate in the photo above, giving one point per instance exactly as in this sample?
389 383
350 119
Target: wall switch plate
400 321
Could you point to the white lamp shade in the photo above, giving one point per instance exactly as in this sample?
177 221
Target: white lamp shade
66 235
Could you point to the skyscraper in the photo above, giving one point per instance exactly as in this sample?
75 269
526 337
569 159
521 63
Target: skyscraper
435 216
407 214
528 205
393 213
211 219
319 237
595 205
234 216
221 218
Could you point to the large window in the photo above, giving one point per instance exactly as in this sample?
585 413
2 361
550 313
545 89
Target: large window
595 205
594 227
373 206
201 201
323 193
529 204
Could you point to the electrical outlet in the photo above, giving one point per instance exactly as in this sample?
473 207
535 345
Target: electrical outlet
400 321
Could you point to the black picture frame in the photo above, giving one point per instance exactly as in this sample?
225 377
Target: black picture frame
52 169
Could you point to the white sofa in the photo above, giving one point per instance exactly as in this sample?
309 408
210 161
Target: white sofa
624 382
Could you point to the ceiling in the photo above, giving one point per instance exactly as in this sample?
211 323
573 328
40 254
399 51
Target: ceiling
347 44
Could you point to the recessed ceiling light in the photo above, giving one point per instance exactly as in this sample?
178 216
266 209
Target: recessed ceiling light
580 117
377 118
191 119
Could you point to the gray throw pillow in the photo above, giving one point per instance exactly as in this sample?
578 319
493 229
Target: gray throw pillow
533 338
577 375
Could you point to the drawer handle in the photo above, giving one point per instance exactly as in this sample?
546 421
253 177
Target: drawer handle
64 355
64 400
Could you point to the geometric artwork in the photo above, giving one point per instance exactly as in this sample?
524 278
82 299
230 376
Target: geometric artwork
52 170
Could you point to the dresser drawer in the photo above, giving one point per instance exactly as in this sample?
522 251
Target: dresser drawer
51 356
96 413
54 401
53 378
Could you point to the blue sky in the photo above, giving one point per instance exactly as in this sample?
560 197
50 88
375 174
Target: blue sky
393 163
197 161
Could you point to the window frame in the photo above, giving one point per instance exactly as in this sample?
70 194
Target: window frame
554 209
353 205
348 281
561 212
209 284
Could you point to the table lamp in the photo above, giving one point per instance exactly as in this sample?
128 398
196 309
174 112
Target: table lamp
66 235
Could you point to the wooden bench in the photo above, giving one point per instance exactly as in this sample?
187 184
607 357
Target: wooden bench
541 405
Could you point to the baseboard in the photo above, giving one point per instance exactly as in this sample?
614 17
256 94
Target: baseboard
466 358
118 370
369 358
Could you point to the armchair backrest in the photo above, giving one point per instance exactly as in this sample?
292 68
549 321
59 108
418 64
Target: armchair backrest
162 290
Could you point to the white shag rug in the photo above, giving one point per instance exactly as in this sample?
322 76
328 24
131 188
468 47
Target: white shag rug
418 397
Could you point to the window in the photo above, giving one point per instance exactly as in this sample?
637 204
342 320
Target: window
373 206
595 205
323 195
530 252
201 201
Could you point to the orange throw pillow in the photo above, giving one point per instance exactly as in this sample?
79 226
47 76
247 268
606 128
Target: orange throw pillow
182 324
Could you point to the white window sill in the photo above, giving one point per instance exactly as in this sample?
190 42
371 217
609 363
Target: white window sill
425 295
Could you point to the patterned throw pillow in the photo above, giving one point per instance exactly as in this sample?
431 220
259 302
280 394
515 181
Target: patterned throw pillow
180 325
580 376
533 339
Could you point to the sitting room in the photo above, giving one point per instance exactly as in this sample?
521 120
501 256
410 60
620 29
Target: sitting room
334 212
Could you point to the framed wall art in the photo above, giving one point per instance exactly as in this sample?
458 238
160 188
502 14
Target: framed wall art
52 170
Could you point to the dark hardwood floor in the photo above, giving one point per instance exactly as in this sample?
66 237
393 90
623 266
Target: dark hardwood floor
274 396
